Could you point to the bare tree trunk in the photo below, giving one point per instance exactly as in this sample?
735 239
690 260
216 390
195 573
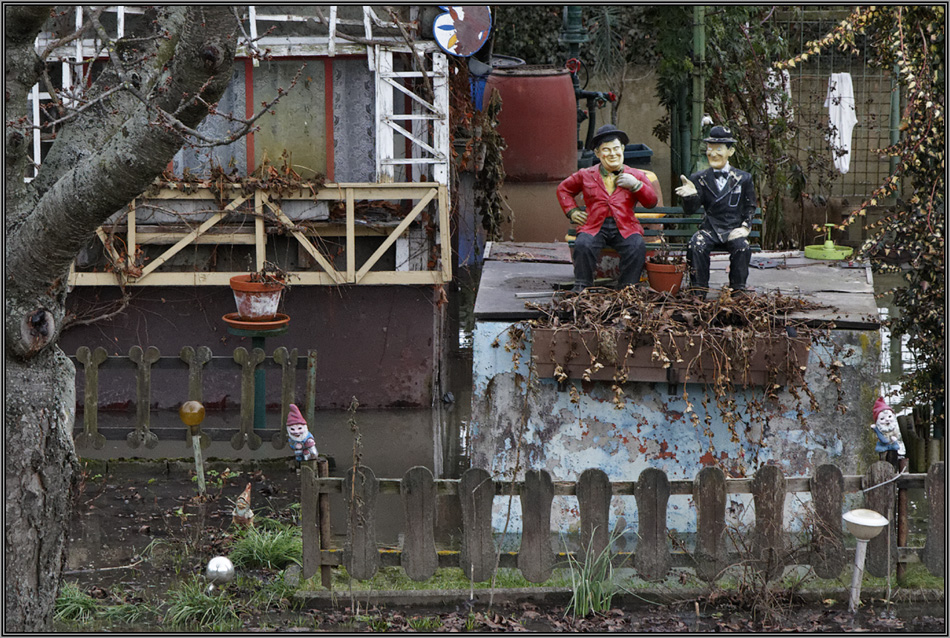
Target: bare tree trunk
39 471
48 222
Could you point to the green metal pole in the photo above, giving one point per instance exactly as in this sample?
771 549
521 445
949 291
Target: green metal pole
685 135
895 117
699 80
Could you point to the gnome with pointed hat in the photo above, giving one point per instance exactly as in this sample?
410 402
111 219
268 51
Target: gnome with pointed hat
889 443
242 514
299 437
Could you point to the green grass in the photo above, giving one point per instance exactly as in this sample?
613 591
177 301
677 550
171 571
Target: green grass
394 578
74 605
127 614
271 595
425 623
592 580
274 548
190 606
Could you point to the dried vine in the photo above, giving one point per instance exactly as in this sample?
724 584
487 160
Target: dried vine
711 342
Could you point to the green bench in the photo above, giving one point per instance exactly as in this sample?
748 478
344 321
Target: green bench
676 227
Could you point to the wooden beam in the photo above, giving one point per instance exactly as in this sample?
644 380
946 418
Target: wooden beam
445 232
403 225
350 236
260 240
304 278
336 275
187 239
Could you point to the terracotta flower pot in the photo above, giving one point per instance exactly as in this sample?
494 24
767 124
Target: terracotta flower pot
665 277
256 301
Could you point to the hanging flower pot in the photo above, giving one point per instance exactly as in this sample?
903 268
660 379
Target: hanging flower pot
665 277
256 297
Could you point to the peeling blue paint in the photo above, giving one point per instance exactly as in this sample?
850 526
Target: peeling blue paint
654 429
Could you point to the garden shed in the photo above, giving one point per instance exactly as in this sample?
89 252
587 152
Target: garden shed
523 418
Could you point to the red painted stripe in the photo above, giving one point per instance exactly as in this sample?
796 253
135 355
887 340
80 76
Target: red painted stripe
249 110
328 113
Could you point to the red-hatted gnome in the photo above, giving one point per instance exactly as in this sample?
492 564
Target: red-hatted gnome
299 437
889 442
242 514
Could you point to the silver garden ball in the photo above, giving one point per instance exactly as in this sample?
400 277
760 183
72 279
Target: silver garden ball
220 570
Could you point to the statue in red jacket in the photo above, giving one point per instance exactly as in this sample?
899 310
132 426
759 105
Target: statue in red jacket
611 191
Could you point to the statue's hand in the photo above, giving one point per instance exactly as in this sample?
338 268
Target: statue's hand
738 233
579 217
628 181
688 189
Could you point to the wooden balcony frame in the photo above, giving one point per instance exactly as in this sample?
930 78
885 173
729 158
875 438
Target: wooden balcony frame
265 210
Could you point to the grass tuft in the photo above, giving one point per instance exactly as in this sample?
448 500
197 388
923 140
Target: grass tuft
268 548
191 606
75 605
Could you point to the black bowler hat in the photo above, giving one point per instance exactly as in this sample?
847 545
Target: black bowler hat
605 131
720 135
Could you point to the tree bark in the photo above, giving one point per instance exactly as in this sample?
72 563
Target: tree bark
50 220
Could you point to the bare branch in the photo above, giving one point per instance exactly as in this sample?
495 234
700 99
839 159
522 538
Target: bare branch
246 126
419 62
55 44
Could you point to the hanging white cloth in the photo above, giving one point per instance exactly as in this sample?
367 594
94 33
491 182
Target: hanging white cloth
840 105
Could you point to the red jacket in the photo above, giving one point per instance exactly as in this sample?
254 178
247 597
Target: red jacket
600 205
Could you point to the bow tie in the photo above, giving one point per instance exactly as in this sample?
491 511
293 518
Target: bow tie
722 174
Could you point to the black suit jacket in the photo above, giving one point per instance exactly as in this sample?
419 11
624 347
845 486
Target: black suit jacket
727 209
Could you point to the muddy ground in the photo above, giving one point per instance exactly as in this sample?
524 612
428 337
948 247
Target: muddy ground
139 530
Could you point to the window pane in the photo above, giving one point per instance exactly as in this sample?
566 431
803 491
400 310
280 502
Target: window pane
298 123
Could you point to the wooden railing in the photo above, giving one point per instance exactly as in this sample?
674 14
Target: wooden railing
194 362
266 210
768 545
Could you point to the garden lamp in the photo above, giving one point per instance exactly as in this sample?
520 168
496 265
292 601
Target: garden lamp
192 413
865 525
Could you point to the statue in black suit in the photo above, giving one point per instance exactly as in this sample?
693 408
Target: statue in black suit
728 197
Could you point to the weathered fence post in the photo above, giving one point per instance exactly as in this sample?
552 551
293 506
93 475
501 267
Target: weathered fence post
419 556
288 365
360 554
308 521
709 492
768 540
935 546
652 559
196 359
323 512
142 435
882 549
593 500
827 488
535 557
477 555
248 362
91 361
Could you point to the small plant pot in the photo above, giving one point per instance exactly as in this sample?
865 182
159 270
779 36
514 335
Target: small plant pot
665 277
256 301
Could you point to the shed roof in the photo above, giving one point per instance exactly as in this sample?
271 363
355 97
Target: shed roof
516 273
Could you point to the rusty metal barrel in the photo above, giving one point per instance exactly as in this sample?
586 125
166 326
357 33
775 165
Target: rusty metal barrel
538 120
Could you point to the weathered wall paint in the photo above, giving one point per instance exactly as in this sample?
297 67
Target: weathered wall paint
653 429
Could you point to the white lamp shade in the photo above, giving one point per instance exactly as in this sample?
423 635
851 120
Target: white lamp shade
864 524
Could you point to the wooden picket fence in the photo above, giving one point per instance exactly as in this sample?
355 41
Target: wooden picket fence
478 557
246 366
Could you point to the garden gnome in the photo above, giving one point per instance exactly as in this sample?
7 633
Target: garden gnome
243 515
299 437
611 191
728 197
889 443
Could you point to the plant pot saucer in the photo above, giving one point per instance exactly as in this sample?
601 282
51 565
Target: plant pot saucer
234 320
